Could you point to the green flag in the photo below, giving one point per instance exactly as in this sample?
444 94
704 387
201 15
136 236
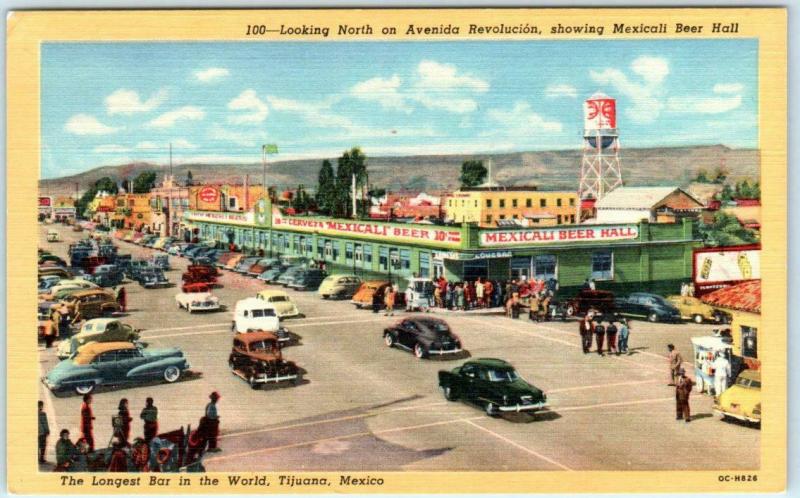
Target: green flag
271 148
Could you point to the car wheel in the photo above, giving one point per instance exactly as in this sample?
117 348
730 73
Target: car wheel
388 339
448 393
84 388
698 318
179 305
652 317
491 409
570 311
419 351
171 374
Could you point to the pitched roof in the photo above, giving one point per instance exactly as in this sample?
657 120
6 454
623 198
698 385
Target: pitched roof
635 197
745 296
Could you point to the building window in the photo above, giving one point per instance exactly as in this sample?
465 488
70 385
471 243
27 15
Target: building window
572 202
558 202
231 202
514 216
603 265
488 218
296 244
502 216
359 254
749 341
368 256
405 260
558 219
336 249
488 203
502 203
310 246
383 258
348 252
476 202
394 259
320 248
513 203
328 250
544 266
543 203
424 264
528 203
572 218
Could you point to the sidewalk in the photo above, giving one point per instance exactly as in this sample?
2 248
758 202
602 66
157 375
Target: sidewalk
480 311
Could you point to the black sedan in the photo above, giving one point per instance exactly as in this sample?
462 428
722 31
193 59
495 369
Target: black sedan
650 306
424 336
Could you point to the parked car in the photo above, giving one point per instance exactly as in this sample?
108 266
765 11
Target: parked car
424 336
233 261
253 314
307 279
72 283
160 261
107 276
195 287
200 274
191 251
261 266
650 306
153 278
57 271
223 259
287 277
692 308
97 330
742 400
92 303
281 301
135 267
197 301
52 258
493 385
601 301
363 297
273 274
53 236
244 264
256 357
47 282
104 363
161 243
339 286
177 248
420 292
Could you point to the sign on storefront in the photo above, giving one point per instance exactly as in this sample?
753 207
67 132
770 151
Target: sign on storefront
233 218
208 194
554 235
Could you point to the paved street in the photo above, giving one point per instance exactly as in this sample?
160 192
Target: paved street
363 406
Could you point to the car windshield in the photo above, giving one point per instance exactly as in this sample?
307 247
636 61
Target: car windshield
439 327
278 299
262 346
502 375
263 313
745 382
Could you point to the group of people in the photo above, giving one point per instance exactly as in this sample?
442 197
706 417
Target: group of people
61 320
609 337
486 293
70 456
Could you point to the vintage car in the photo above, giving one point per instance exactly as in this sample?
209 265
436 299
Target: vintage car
44 258
53 236
272 275
92 303
176 248
200 274
419 294
47 282
600 301
287 277
307 279
162 242
107 276
189 287
692 308
114 363
650 306
55 271
339 286
153 278
281 301
261 266
223 259
424 336
97 330
135 267
363 298
160 261
197 301
256 358
244 264
231 264
256 314
742 400
493 385
56 292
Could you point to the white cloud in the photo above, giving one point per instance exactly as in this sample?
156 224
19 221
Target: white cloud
521 120
211 74
317 114
250 139
704 105
728 88
147 145
248 101
128 102
182 143
179 143
385 91
111 149
84 124
646 95
168 119
554 91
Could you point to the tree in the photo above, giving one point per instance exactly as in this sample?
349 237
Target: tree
473 173
104 184
720 175
189 178
300 201
144 182
747 190
726 230
326 188
352 162
702 176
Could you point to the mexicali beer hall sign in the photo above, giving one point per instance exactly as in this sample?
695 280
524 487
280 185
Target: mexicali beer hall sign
555 235
370 230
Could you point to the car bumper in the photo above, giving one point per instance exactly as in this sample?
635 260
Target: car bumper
264 379
522 408
210 307
50 385
157 285
444 351
738 416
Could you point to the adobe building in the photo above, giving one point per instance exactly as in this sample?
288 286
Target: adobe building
522 206
743 302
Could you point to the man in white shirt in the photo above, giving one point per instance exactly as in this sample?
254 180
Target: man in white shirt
722 370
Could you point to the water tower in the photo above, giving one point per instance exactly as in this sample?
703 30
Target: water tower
600 169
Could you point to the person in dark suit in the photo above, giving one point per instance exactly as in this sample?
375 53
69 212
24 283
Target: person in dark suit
683 388
599 337
586 329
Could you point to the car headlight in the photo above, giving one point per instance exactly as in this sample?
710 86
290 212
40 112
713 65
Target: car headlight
505 398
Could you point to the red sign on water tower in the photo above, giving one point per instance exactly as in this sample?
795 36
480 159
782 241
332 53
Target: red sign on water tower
600 112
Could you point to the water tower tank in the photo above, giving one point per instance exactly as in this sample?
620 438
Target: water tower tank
600 119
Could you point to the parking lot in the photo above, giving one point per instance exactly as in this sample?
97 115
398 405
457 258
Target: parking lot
363 406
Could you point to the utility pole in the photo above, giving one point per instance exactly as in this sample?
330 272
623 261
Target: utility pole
355 215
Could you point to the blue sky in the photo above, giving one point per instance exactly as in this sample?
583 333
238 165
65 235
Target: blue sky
113 103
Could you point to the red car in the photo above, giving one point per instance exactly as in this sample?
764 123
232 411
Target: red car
200 274
195 287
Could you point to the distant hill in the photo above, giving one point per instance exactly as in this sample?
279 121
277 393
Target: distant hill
547 169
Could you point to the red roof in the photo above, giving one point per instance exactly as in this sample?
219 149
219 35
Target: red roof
745 296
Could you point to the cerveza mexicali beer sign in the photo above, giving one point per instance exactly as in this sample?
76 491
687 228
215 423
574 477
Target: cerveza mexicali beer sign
372 230
554 235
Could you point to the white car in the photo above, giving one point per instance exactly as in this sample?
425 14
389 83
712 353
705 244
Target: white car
197 301
253 314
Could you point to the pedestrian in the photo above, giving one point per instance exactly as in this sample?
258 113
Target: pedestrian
377 299
87 421
150 417
545 306
66 452
52 330
599 336
722 371
611 338
479 293
122 422
469 295
586 330
459 297
488 293
63 324
118 459
552 285
675 360
388 301
533 314
624 332
44 431
212 423
683 388
586 285
122 299
437 296
409 294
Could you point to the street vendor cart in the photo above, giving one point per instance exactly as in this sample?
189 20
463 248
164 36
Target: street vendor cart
706 349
